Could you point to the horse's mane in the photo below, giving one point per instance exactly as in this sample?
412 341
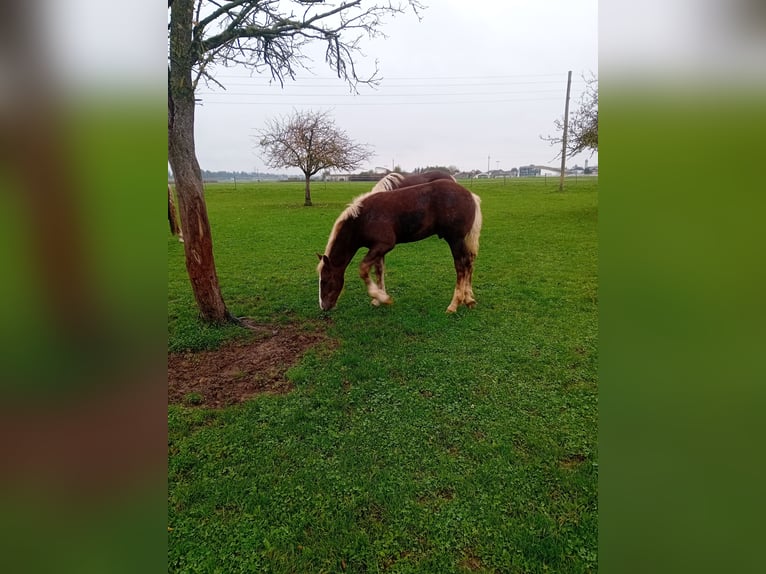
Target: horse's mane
388 183
351 212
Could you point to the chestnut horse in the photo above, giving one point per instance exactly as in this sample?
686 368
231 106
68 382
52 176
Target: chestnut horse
396 180
379 220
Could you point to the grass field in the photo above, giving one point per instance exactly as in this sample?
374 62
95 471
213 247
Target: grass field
422 442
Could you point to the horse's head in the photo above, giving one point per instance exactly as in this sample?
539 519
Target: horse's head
330 282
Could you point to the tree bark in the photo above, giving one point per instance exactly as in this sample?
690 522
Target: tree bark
195 226
307 201
172 218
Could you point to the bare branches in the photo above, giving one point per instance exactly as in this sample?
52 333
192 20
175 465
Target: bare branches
583 122
223 10
268 35
203 74
311 142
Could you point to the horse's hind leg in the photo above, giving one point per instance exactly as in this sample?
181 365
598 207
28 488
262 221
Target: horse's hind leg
380 270
464 270
377 291
468 292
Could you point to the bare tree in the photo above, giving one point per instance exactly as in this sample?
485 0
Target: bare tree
310 141
583 123
266 35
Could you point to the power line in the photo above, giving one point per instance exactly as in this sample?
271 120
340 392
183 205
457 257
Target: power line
409 95
482 77
383 85
447 102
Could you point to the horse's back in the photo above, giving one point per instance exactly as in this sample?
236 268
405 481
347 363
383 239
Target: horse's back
442 207
425 177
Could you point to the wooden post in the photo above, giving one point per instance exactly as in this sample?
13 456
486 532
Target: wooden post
564 138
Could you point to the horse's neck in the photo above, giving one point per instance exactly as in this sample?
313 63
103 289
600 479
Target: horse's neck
344 246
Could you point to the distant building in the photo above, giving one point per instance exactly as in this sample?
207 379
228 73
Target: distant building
576 170
337 176
528 170
353 176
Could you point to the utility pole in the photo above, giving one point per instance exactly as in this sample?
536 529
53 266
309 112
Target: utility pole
487 165
564 138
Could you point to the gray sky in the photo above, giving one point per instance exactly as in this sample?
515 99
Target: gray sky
471 80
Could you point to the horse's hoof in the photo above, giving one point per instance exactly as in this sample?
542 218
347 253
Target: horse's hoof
389 301
470 304
375 302
451 309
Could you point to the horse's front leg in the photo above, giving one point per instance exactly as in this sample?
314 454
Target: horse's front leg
459 294
380 271
375 290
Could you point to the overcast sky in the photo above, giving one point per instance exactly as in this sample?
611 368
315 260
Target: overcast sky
471 81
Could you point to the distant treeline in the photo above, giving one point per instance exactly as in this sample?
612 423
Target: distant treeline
450 169
236 175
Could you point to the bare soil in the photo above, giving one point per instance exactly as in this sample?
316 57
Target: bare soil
241 369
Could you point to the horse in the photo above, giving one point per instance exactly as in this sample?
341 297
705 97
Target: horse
396 180
378 220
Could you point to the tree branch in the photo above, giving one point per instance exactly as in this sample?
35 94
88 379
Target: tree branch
258 33
222 10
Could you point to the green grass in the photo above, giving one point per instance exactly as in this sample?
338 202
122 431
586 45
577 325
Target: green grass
424 442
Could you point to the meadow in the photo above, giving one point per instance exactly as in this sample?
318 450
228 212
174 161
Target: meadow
419 441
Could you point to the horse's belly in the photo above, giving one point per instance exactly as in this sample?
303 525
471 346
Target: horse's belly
408 235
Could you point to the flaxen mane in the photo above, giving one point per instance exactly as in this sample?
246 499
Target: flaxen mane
351 212
391 181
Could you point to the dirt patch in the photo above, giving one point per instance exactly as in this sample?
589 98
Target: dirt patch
471 561
241 369
572 461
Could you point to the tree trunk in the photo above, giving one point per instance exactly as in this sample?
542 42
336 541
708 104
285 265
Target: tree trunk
172 218
308 191
195 226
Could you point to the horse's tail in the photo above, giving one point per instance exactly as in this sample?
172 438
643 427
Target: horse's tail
389 183
472 239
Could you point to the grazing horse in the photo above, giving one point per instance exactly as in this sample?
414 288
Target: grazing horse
379 220
396 180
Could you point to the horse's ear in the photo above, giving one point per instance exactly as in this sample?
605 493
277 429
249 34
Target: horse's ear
319 256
